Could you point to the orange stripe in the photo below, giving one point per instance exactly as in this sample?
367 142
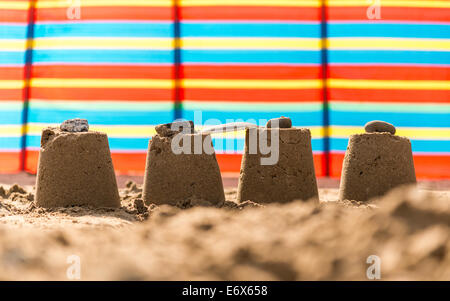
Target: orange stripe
252 95
250 72
134 163
13 15
108 13
390 14
10 162
250 13
12 73
377 95
96 71
426 166
11 94
87 94
386 72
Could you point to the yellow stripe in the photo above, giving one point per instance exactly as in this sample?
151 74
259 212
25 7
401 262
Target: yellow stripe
101 83
389 84
138 131
250 43
388 43
12 84
415 133
11 130
251 84
301 3
14 4
104 43
104 3
112 131
391 3
15 45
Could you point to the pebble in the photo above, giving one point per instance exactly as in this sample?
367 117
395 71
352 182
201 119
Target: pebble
170 129
75 125
283 122
377 126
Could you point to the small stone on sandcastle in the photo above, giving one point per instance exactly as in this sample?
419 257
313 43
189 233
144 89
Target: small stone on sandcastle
375 162
292 177
182 167
75 168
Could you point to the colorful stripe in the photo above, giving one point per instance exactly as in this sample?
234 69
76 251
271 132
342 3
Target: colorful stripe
122 67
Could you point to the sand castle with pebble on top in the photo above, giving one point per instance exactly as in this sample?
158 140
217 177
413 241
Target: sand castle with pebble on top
375 162
75 168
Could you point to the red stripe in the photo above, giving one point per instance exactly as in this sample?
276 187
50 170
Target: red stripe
14 16
250 13
107 13
376 95
10 162
134 163
100 71
426 166
389 72
249 95
12 73
390 14
250 72
11 94
86 94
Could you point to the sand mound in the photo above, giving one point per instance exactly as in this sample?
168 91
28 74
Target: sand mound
408 229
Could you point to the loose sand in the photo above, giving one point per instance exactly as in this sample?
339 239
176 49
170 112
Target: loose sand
408 229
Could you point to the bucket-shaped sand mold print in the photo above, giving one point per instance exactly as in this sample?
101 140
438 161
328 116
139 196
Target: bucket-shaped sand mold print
181 167
291 178
375 162
75 168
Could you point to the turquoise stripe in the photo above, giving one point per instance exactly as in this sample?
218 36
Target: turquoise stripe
104 117
251 56
388 30
10 143
107 29
136 144
388 57
13 31
260 30
396 118
431 146
103 56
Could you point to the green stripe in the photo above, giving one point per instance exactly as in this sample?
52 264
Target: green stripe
389 107
11 105
253 107
103 106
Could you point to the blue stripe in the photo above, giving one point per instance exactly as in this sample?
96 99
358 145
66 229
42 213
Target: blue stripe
389 57
101 117
220 145
13 31
11 116
94 29
398 119
313 118
10 143
12 57
437 146
103 56
251 56
232 30
394 30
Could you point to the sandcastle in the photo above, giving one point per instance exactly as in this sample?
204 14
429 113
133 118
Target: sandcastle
292 177
375 162
75 168
182 167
